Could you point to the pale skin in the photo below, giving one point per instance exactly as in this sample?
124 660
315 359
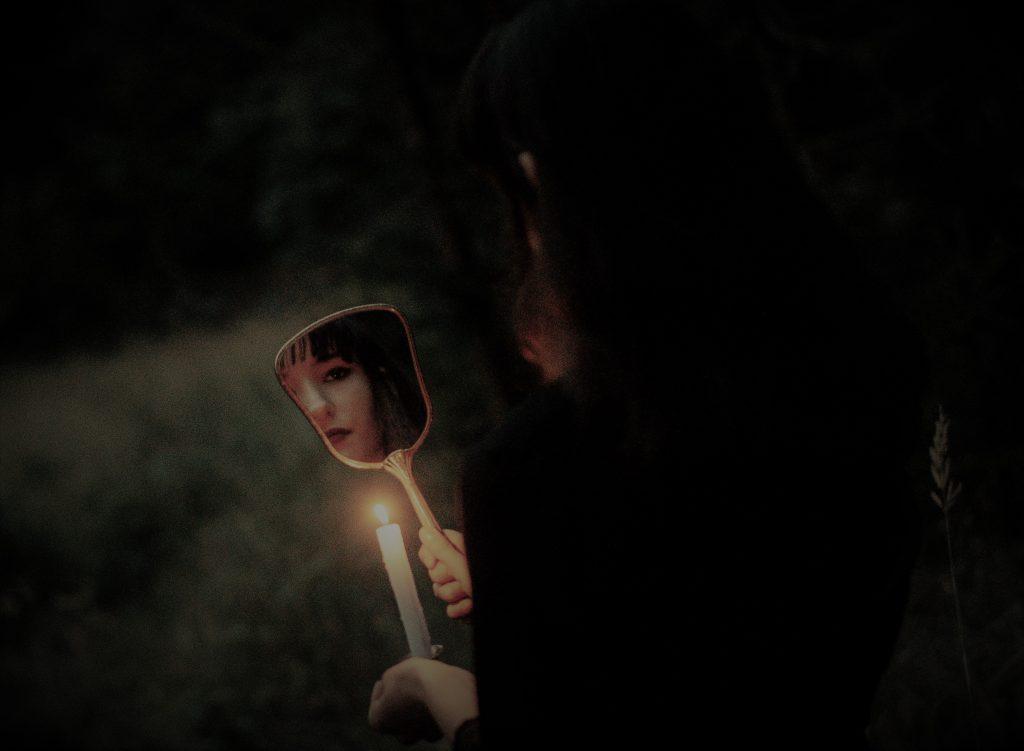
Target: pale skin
445 561
550 344
338 395
421 699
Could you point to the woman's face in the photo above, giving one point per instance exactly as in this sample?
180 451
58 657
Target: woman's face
338 395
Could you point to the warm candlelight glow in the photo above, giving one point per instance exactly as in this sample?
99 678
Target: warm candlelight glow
396 563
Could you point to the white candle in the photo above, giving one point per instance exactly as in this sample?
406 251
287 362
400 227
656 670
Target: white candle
396 562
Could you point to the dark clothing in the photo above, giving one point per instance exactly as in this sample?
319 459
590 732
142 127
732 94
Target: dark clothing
742 578
467 737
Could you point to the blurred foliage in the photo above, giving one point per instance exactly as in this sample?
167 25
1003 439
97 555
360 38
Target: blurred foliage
185 565
907 120
187 185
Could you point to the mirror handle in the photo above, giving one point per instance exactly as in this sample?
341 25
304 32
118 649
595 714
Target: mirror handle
399 465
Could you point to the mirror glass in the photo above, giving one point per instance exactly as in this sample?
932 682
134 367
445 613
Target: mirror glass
355 376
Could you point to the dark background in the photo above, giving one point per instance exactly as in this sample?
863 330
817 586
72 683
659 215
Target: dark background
185 185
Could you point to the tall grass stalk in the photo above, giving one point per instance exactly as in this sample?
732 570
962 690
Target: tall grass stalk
945 494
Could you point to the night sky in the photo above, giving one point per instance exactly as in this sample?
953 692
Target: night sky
186 186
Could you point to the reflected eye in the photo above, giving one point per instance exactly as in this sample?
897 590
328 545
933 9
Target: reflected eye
336 374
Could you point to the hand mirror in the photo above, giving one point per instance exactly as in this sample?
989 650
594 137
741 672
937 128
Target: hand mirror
355 377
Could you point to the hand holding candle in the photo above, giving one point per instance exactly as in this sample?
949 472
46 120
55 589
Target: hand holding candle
396 562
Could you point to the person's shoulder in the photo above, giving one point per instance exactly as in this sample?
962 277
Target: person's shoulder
528 446
530 428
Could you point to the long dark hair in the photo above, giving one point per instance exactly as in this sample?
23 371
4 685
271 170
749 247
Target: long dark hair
676 222
731 345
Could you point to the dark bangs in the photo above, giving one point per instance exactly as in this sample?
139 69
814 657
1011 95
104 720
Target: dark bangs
333 339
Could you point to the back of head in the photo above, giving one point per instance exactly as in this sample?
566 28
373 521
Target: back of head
723 317
669 203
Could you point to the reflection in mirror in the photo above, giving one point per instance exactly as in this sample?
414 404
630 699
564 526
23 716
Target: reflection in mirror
355 375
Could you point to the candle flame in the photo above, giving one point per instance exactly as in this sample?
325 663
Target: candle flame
381 512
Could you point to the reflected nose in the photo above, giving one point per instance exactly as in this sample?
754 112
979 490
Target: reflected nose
321 409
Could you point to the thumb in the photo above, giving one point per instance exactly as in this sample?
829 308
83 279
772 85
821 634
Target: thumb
449 555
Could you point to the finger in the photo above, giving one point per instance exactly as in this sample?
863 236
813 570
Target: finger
450 556
460 609
440 574
374 716
451 592
426 557
429 559
456 539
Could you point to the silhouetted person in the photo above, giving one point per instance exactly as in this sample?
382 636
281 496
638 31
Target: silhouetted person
698 528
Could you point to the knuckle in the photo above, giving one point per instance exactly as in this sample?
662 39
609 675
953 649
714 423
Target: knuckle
452 592
455 537
460 609
426 556
439 574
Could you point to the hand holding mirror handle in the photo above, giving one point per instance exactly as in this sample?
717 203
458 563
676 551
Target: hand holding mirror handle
355 376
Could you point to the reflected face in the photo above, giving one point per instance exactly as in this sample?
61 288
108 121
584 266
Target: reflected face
354 374
339 397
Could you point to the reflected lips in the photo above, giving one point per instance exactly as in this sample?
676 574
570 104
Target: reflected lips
337 435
